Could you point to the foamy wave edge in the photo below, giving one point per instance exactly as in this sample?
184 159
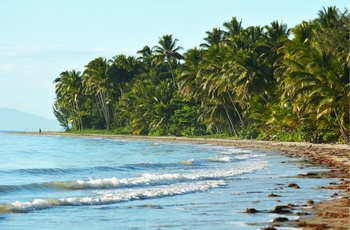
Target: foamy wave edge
143 180
110 197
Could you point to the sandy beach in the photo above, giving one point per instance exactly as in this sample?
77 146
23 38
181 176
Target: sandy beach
328 214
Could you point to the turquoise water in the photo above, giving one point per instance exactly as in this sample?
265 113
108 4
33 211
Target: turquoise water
56 182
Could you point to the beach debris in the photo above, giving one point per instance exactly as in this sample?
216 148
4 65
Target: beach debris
310 175
281 209
312 226
268 228
251 210
309 202
302 213
293 185
280 219
335 194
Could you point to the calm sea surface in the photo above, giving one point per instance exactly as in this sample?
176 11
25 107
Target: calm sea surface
55 182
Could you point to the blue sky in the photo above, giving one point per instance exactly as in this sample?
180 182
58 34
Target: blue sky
39 39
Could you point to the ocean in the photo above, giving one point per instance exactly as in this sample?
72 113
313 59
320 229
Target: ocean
61 182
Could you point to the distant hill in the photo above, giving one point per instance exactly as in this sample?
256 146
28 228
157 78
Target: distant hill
12 119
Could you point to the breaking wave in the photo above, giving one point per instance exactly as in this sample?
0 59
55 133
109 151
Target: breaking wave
110 197
146 179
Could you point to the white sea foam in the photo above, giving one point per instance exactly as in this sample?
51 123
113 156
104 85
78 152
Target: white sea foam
148 179
220 159
230 151
147 186
248 156
113 196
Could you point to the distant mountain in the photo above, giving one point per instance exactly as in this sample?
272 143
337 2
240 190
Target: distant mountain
12 119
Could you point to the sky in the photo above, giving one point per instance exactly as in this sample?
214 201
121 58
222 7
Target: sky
39 39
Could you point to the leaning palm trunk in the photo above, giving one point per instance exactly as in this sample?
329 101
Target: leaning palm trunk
104 108
232 127
342 128
172 73
234 105
75 123
81 127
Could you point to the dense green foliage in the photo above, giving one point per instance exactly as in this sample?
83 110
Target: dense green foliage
266 82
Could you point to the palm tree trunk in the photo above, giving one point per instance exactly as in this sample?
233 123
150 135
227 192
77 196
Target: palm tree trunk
79 116
172 73
75 123
234 105
342 128
105 110
98 103
232 128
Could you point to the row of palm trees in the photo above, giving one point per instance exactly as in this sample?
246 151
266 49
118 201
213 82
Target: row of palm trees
256 82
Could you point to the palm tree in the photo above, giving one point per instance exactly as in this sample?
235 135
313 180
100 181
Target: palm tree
123 69
134 106
161 107
253 77
61 115
68 95
145 52
234 27
317 78
274 38
332 29
188 82
328 18
147 58
215 116
302 33
214 82
276 31
214 37
97 81
168 52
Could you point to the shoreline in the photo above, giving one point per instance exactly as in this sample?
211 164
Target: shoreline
328 214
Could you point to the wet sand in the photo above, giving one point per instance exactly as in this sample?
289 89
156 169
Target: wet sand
328 214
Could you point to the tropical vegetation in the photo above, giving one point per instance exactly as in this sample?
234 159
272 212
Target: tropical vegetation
260 82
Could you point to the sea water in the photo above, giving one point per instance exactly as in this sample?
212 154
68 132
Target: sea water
60 182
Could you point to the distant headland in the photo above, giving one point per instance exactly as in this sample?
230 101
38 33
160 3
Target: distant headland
12 119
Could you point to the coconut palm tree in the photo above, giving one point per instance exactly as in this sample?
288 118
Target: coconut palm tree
167 51
214 82
233 27
214 37
317 78
123 69
253 76
146 59
187 77
332 29
275 36
61 115
302 33
69 95
135 106
145 52
97 81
